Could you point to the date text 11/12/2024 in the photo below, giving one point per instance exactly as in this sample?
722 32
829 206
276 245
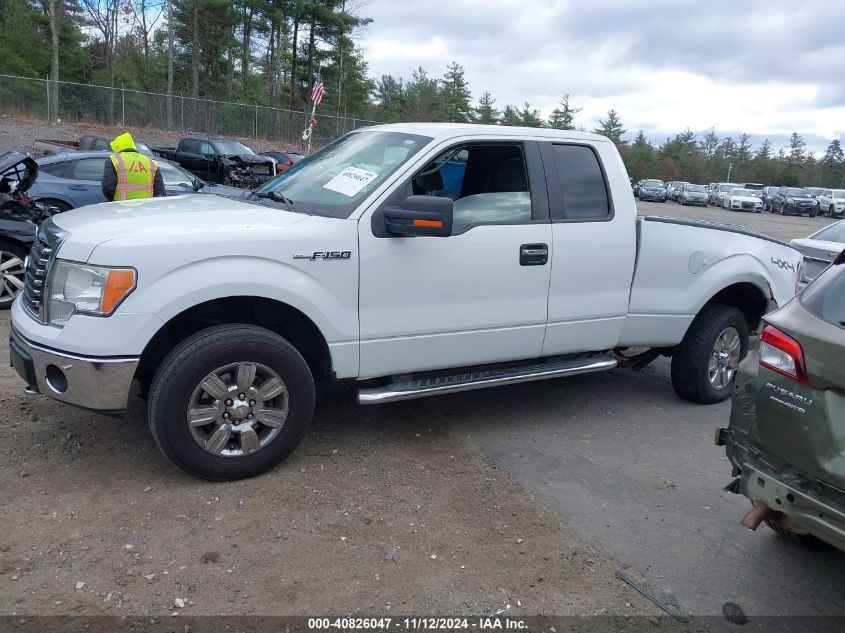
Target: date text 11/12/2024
482 623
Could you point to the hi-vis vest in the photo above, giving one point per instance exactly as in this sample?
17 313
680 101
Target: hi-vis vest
135 175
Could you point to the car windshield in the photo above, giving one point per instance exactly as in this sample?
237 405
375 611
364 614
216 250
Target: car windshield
833 233
175 176
728 186
231 147
815 190
825 297
839 193
334 180
652 183
742 192
701 188
296 157
798 193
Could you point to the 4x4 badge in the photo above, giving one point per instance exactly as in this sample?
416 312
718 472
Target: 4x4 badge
782 264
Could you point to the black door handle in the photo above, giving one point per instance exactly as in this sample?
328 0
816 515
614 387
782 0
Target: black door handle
533 254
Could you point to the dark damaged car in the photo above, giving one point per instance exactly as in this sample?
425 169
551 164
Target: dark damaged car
19 220
220 160
786 437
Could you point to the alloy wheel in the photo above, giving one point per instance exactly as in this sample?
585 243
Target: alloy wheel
12 276
724 359
238 409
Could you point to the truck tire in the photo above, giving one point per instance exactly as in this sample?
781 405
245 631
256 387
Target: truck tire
230 402
704 363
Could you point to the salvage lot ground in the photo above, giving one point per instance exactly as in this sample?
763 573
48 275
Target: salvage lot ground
531 496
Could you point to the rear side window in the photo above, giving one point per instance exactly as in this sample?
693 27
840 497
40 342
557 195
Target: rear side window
190 146
87 169
54 169
101 144
825 297
582 183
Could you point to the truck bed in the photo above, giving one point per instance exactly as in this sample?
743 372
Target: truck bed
681 263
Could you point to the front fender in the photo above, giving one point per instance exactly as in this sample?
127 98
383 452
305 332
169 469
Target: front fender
333 312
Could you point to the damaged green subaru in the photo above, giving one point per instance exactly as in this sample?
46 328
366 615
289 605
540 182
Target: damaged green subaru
786 437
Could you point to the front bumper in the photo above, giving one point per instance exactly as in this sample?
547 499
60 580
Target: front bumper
101 384
648 195
798 209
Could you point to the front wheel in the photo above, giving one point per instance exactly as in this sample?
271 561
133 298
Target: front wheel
230 402
705 362
830 211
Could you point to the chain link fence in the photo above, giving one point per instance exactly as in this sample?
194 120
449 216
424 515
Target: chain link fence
86 103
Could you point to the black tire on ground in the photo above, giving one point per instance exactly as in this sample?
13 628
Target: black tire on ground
191 362
9 290
812 213
59 204
830 211
691 359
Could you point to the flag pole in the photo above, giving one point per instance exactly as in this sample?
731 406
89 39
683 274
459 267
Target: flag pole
310 129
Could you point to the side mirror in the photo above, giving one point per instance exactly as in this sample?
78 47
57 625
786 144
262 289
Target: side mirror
198 184
420 216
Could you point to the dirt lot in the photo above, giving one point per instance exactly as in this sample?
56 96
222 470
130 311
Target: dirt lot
18 133
372 514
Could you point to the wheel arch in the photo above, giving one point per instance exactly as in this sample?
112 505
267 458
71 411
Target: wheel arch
749 298
277 316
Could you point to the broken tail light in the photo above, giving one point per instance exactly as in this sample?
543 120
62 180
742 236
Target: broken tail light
782 354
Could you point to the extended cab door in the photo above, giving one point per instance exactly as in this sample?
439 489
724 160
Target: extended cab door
474 297
593 246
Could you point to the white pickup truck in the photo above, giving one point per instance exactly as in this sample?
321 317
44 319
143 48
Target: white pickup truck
411 259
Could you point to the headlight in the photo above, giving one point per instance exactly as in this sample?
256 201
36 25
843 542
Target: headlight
84 289
790 201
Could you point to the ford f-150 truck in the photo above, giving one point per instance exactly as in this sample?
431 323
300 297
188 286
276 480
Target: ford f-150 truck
408 259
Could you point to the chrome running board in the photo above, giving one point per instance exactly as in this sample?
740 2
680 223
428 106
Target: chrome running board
437 385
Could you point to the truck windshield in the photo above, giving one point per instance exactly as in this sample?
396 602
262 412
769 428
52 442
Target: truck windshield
334 180
226 148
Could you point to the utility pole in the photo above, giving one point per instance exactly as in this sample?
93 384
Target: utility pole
730 167
170 64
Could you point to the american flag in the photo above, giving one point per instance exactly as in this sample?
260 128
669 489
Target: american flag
318 90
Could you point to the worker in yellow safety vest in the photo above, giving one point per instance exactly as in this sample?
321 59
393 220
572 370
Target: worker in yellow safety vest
128 174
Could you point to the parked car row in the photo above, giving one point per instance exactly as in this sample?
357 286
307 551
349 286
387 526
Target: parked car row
749 196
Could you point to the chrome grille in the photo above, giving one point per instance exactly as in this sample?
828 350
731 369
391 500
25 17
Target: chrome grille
41 256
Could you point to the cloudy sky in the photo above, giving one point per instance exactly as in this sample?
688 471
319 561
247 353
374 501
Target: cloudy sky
763 67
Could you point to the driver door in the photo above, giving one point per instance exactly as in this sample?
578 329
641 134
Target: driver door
473 297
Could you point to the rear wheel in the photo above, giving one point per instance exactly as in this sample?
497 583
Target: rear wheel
705 362
12 272
830 211
230 402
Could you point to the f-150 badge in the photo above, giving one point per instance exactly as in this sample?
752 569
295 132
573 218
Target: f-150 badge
324 255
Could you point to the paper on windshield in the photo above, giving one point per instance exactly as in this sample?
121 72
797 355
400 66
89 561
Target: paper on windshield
350 181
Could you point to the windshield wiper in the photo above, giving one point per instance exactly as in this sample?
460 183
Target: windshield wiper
276 197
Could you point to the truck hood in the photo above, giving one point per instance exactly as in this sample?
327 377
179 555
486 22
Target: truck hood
186 215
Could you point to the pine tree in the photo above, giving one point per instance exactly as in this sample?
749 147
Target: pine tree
485 112
530 117
612 127
796 154
456 95
833 163
563 116
510 116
